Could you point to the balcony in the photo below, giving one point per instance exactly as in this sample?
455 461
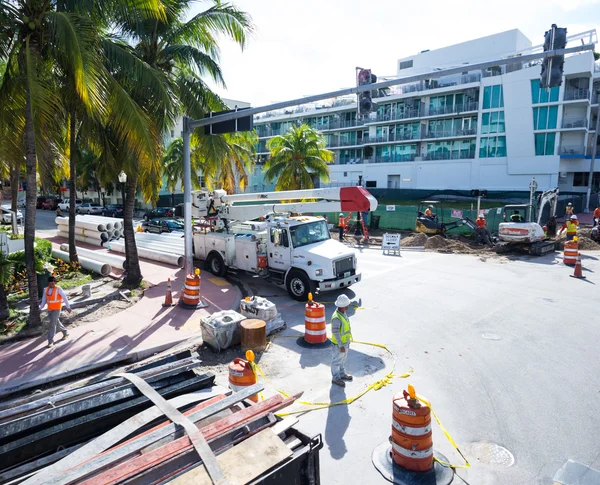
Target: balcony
442 82
263 132
341 142
452 109
339 124
453 155
404 114
262 147
392 137
577 94
572 151
574 123
450 134
394 158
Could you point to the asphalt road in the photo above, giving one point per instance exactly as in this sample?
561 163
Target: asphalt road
506 350
45 222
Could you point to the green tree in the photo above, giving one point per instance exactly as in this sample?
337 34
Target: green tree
7 268
296 157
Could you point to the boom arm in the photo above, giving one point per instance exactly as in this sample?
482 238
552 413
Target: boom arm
548 197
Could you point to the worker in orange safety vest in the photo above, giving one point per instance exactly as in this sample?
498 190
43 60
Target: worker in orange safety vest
568 211
428 211
596 217
341 226
571 226
54 296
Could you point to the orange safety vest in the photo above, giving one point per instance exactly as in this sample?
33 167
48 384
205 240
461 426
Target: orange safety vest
428 213
597 212
569 211
480 223
53 299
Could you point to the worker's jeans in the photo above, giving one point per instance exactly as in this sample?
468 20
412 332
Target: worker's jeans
338 361
571 236
54 321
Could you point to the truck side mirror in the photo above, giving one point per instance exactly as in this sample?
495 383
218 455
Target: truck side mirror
285 239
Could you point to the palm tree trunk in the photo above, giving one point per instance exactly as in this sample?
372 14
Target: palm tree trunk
132 263
4 310
72 191
14 187
31 166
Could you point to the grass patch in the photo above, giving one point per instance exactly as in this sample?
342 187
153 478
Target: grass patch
15 323
66 283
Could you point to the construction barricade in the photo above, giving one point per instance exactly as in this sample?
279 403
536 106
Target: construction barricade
190 298
241 375
571 252
315 324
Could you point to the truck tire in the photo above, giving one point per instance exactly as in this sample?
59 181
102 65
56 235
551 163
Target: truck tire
215 264
299 285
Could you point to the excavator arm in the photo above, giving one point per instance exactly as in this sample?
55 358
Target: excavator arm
465 221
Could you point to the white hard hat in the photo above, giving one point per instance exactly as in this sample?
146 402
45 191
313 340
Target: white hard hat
569 203
430 207
342 301
574 217
341 213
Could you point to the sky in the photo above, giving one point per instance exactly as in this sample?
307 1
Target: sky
312 46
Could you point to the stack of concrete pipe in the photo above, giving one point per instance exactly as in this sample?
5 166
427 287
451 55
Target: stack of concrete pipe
94 230
164 248
86 263
117 262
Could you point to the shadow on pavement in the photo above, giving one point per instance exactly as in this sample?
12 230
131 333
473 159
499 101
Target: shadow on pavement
338 421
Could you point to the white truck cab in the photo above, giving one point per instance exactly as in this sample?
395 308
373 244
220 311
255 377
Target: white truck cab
295 251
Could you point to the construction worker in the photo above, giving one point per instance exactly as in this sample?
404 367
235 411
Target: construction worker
545 228
482 232
571 226
516 217
341 226
568 211
429 212
341 336
596 216
54 296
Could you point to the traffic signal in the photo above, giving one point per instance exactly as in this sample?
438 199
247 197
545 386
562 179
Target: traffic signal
552 67
478 193
365 105
483 193
474 193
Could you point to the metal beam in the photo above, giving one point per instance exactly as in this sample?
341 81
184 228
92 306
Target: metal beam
387 84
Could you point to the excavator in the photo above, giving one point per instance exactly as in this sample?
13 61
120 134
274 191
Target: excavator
525 234
432 225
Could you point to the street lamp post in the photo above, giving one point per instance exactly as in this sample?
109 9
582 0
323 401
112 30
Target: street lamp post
123 180
173 191
532 189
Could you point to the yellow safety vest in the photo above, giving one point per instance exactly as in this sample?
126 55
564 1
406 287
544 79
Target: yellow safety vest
345 333
53 299
571 227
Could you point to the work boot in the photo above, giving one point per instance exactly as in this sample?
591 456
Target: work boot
339 382
65 335
50 345
347 377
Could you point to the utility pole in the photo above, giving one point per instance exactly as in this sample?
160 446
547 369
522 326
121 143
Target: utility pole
592 163
187 198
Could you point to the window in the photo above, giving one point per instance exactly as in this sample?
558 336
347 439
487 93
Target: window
540 95
492 146
544 143
406 64
492 122
279 237
371 184
493 97
544 117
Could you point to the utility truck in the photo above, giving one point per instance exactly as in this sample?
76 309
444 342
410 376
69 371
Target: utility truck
266 234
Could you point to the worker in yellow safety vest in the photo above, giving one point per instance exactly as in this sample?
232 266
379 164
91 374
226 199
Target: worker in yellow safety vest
54 296
341 336
571 227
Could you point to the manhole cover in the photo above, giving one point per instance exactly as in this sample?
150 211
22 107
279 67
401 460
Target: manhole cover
490 454
490 336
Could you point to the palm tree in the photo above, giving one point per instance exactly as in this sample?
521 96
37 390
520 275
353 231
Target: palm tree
7 268
41 42
296 157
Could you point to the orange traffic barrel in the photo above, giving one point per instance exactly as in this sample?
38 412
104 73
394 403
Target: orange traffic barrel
315 324
571 253
241 376
412 444
191 292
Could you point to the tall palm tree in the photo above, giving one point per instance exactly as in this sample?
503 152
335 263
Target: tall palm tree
40 43
296 157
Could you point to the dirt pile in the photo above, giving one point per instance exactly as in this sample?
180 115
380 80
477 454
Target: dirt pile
444 245
586 244
414 240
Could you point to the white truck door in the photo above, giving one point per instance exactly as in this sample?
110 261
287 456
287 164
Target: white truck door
279 249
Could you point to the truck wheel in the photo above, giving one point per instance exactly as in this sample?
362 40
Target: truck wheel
299 285
215 264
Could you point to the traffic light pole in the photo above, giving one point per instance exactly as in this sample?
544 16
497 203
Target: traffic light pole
190 125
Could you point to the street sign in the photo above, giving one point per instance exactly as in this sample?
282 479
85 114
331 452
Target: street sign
457 214
390 208
390 242
245 123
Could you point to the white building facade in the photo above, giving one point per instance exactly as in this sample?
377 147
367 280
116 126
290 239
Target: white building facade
490 129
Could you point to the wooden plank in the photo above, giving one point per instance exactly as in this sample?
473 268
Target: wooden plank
244 462
285 424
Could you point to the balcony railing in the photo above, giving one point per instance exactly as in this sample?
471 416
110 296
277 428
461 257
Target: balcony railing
400 114
264 132
341 142
575 123
573 150
443 82
451 133
576 94
334 125
394 158
455 108
450 155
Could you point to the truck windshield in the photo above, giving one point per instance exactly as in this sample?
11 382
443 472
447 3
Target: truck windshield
310 233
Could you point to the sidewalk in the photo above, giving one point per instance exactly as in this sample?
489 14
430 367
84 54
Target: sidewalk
135 333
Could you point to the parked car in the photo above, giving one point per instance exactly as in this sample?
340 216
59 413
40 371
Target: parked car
51 204
7 217
159 212
66 203
39 202
22 203
113 210
89 208
163 225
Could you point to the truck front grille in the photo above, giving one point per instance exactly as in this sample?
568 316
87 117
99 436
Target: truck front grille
344 265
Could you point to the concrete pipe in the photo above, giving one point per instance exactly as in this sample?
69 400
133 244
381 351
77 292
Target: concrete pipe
83 239
165 236
89 264
79 224
88 233
107 222
163 248
151 254
115 261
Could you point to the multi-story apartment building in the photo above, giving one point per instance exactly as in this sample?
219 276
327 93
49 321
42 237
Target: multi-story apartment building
493 128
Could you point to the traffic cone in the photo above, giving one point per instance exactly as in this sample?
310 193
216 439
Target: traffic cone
169 294
577 273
